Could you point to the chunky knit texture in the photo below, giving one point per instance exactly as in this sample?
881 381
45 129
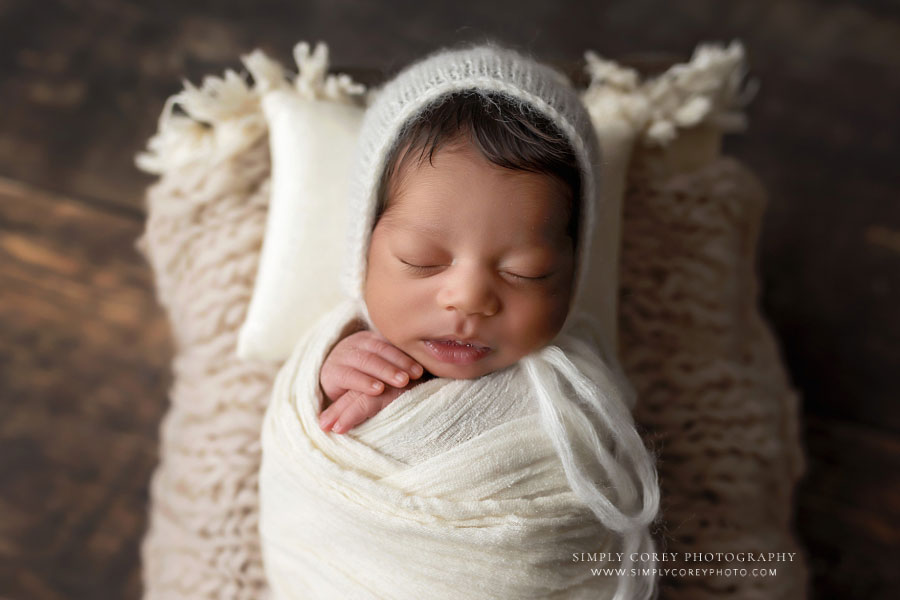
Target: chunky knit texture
714 396
203 236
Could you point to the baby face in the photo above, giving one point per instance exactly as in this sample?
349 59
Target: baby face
470 267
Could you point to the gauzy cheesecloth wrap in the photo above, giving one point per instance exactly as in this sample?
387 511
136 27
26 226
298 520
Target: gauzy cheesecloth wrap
454 490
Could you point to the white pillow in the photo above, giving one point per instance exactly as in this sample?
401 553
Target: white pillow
312 140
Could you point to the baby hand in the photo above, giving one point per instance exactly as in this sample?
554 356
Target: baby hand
354 407
362 374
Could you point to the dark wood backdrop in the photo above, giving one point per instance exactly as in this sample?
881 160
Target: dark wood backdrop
84 347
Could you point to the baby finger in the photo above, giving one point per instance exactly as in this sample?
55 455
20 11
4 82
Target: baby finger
354 379
357 409
380 368
395 355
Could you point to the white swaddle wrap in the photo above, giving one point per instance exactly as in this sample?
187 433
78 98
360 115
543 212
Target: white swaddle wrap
454 490
495 487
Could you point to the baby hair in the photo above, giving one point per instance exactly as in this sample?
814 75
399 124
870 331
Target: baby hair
507 133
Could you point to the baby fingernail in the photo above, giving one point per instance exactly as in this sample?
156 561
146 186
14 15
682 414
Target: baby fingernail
400 378
376 385
336 426
417 370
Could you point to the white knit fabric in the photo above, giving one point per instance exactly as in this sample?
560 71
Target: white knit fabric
347 488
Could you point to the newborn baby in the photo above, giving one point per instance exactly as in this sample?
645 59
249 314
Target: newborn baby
473 202
471 260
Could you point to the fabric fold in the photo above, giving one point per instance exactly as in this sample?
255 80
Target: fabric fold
457 484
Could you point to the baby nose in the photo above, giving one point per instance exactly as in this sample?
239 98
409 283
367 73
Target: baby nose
470 293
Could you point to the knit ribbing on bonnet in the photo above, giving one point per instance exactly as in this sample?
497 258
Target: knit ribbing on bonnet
573 365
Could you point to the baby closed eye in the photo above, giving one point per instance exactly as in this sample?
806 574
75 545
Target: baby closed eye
527 278
426 269
419 268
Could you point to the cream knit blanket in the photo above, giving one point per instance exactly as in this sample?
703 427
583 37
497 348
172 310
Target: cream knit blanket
455 489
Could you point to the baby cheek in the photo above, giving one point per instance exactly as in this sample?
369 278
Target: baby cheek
528 325
393 303
377 297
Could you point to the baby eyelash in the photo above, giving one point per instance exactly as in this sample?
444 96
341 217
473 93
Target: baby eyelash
529 278
426 268
418 268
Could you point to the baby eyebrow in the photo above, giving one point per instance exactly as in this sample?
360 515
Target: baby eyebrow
429 236
429 230
436 232
422 229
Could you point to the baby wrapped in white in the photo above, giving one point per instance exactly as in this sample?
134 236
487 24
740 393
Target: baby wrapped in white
494 487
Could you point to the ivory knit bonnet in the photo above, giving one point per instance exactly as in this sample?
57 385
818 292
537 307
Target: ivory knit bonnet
486 68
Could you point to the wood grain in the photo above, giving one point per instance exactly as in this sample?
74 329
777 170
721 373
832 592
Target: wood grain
83 366
848 509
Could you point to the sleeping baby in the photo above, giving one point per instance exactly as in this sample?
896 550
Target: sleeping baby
502 448
471 260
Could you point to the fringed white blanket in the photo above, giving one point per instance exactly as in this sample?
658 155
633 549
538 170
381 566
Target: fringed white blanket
458 488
